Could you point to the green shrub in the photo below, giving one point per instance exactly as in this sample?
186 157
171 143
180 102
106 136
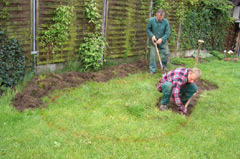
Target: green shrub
206 20
91 50
12 62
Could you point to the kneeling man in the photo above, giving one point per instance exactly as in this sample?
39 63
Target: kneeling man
179 85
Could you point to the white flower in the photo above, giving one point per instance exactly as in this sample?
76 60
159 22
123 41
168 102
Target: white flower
225 51
230 52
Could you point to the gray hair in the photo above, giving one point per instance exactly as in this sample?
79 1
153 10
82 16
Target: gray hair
197 72
161 12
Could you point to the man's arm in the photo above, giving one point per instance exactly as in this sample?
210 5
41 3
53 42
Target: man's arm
166 33
175 95
149 29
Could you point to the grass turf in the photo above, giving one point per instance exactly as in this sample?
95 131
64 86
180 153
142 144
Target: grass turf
118 119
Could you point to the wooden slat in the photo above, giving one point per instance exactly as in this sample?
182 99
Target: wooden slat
125 26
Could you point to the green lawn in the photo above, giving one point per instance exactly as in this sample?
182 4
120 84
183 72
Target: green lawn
118 119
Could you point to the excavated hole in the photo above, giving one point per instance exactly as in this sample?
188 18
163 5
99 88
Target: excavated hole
202 86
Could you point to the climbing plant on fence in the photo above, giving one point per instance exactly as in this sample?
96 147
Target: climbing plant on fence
91 51
12 62
206 20
4 15
57 33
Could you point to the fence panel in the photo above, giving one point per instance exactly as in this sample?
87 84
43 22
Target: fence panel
17 23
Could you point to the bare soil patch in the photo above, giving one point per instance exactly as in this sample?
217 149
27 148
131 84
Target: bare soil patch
41 86
202 86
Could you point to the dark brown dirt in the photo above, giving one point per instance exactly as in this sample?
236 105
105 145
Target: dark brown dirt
202 86
41 86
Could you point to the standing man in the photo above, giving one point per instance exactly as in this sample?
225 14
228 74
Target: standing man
158 30
179 85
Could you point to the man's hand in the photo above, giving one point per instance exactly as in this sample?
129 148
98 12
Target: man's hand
159 41
183 112
154 39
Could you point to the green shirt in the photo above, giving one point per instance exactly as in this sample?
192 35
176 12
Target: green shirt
158 29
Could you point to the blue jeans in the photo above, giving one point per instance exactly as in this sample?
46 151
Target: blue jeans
186 92
164 51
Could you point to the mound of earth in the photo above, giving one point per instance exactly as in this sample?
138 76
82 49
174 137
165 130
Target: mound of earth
202 86
41 86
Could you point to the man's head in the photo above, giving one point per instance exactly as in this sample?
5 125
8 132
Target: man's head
194 75
160 14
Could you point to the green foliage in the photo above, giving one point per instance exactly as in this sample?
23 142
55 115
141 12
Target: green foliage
91 50
201 19
4 15
206 20
161 4
217 54
12 61
91 13
182 61
57 33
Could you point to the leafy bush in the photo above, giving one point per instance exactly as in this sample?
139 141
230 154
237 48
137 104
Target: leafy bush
91 50
206 20
12 62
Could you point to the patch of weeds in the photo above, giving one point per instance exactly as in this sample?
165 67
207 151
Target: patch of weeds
42 77
71 65
40 80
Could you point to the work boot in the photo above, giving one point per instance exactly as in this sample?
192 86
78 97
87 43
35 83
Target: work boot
165 70
163 107
151 73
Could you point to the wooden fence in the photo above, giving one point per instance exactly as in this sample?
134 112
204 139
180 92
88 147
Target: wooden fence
125 26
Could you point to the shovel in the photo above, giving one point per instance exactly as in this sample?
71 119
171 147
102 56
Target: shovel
160 59
196 61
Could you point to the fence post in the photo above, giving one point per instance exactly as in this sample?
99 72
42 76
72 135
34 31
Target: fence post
105 10
178 38
150 15
34 52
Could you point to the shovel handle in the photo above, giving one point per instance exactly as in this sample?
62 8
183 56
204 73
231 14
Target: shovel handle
159 57
189 100
199 47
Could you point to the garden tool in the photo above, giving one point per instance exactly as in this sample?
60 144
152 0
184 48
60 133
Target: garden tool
160 59
189 100
199 47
